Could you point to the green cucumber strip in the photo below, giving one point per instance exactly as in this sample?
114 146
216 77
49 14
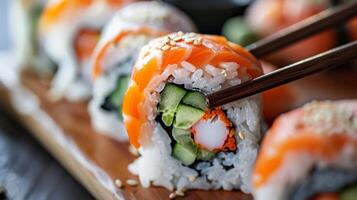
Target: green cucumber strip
169 101
203 154
349 193
187 116
168 118
117 97
182 136
195 99
184 153
118 94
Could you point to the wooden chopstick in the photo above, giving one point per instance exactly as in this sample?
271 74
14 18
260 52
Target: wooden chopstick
324 20
323 61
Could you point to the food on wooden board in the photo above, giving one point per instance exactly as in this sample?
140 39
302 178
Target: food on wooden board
310 153
69 31
182 143
130 29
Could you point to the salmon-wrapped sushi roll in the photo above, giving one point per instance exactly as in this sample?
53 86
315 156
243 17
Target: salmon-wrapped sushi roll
266 17
310 153
23 20
182 143
69 31
116 52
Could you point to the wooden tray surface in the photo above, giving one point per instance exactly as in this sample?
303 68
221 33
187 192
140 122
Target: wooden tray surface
113 157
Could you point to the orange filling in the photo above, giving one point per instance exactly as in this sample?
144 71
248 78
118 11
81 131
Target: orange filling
85 43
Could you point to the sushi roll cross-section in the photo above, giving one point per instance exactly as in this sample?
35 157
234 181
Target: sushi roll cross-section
130 29
69 32
182 143
310 154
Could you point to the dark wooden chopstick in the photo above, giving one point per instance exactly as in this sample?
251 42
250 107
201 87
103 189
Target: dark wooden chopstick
303 29
328 59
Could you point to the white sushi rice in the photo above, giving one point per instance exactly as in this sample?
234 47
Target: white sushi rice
157 16
157 166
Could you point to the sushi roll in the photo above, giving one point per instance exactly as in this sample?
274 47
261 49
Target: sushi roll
266 17
310 154
182 143
116 52
24 18
69 31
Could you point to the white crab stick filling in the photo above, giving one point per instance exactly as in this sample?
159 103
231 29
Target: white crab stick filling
211 133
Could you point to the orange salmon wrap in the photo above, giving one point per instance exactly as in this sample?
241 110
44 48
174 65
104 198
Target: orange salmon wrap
309 152
166 115
116 52
69 31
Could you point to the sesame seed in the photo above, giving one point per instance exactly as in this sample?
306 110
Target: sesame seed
166 40
192 178
189 40
166 47
241 135
133 150
172 195
173 43
178 38
180 193
132 182
118 183
191 34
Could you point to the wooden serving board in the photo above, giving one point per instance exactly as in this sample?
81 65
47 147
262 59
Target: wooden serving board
109 159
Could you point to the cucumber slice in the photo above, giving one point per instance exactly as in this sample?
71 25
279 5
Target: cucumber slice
349 193
238 31
170 99
186 116
117 97
204 154
182 136
195 99
184 153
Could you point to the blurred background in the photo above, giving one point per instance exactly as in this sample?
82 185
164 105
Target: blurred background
4 39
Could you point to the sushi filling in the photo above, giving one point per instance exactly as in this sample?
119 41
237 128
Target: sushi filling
329 182
197 132
113 102
85 43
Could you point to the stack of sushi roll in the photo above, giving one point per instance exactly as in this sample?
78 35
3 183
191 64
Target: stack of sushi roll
24 16
182 143
130 29
310 153
69 31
